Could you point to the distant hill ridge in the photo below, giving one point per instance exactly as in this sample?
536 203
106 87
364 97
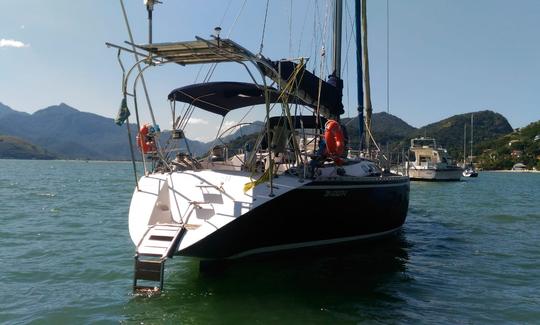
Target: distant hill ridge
68 133
15 148
386 128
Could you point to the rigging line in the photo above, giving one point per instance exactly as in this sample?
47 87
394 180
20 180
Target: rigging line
212 68
313 46
375 143
387 56
346 63
290 27
225 13
325 33
202 66
138 65
264 27
302 31
236 19
323 64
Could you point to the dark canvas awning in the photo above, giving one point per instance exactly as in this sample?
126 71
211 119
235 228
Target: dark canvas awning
300 121
309 87
223 96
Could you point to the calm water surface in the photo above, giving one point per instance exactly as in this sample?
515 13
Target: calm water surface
469 253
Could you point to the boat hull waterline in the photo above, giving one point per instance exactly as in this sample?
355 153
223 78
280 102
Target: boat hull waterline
453 174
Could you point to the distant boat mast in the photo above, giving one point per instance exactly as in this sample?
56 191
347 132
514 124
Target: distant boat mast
471 157
464 144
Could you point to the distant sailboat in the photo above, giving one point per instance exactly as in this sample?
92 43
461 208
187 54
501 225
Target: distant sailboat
468 169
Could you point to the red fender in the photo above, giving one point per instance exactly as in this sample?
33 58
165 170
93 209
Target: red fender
145 143
335 141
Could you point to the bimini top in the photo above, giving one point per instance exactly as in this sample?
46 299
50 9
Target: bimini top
224 96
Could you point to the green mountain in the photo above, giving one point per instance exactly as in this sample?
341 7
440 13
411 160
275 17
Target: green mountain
394 132
64 132
386 129
15 148
72 134
520 146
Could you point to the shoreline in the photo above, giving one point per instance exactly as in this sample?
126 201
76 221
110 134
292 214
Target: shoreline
511 171
128 161
74 160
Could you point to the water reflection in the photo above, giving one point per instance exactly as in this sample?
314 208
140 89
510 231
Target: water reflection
340 265
346 282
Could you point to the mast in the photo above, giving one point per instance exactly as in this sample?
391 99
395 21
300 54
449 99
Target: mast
472 118
359 73
367 88
335 78
464 145
338 17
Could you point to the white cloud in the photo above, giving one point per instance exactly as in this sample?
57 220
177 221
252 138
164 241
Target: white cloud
12 43
204 139
195 120
22 26
229 124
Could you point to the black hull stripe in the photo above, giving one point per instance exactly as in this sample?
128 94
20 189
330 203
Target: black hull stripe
327 187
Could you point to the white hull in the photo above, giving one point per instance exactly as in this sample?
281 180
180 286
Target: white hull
203 202
435 174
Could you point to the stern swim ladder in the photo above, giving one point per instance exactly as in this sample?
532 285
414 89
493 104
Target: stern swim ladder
158 243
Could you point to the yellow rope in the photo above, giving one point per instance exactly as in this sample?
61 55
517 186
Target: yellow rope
285 96
264 178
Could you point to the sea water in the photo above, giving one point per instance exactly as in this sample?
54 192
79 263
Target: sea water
469 253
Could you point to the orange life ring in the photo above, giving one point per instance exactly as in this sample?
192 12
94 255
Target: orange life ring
145 142
335 141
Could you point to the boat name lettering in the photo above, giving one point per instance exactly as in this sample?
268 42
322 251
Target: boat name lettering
335 193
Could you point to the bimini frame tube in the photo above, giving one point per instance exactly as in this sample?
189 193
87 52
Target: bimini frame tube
254 60
127 122
138 65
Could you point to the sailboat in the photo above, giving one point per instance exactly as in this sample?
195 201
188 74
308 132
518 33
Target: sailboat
468 169
292 188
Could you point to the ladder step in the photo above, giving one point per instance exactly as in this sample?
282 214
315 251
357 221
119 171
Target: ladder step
152 251
156 243
163 232
166 226
148 270
161 238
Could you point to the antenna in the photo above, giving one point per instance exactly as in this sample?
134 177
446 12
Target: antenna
150 7
217 31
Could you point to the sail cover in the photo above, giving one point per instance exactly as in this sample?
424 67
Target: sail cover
224 96
309 88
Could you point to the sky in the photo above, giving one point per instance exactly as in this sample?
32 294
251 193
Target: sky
446 57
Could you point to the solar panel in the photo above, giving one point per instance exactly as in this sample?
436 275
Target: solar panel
199 51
